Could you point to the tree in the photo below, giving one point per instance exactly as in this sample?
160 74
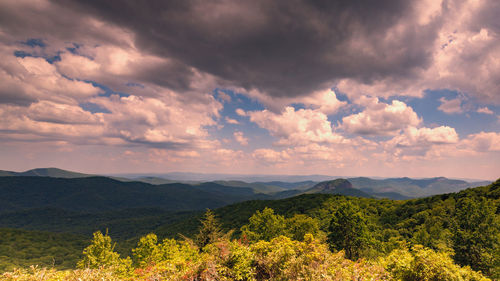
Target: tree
476 234
299 225
100 253
209 231
348 230
147 251
264 225
423 264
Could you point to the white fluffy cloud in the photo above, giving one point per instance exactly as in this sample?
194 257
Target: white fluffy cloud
240 138
418 137
51 112
451 106
482 142
296 127
380 118
41 101
164 120
484 110
323 101
270 156
26 80
231 121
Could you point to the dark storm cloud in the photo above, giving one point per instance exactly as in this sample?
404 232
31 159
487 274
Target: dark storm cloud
278 47
15 96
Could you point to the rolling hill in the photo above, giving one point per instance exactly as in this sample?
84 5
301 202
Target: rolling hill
46 172
95 194
411 188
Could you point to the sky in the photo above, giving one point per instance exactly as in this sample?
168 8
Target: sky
382 88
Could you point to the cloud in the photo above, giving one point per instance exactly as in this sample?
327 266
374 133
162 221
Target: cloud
462 53
231 121
223 96
380 118
240 112
50 112
289 50
451 106
281 50
270 156
165 121
111 65
26 80
482 142
294 127
484 110
425 137
49 99
324 101
240 138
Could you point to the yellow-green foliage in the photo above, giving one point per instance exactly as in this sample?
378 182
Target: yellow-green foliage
421 263
266 225
281 258
100 254
44 274
286 259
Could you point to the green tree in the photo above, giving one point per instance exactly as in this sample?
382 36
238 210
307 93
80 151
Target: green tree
424 264
100 253
147 251
210 230
348 230
476 234
264 225
299 225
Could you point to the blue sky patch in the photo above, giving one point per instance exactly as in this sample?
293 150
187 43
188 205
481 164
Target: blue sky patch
107 92
93 108
34 42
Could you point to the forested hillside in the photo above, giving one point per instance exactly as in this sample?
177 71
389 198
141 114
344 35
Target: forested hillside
93 194
445 237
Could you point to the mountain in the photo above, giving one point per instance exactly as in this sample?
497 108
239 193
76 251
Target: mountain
95 194
7 173
338 186
256 186
46 172
283 186
151 180
301 185
411 188
201 177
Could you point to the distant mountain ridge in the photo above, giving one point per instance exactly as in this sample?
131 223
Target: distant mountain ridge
95 194
412 188
392 188
337 186
46 172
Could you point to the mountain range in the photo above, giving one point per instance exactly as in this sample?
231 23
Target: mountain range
392 188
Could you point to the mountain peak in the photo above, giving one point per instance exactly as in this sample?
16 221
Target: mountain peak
52 172
334 184
338 186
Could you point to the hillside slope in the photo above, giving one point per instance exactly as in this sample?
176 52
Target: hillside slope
94 194
412 188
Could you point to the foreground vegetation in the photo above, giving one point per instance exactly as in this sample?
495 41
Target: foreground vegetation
310 237
214 257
